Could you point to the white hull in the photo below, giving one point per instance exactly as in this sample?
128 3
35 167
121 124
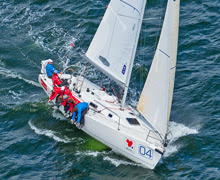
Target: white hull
110 126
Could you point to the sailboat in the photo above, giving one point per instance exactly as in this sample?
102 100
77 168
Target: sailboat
138 134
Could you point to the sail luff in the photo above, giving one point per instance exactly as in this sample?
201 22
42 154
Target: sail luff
155 97
174 55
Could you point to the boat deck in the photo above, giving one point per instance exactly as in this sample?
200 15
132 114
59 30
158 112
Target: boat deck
107 110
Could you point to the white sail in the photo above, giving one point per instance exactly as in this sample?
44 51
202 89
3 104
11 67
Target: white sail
114 44
156 97
174 53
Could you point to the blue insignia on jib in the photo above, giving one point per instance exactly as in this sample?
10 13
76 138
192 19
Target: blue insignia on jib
123 69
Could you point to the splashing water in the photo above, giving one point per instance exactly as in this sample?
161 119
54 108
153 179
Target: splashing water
178 130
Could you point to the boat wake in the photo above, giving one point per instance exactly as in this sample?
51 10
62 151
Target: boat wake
118 162
48 133
114 161
178 130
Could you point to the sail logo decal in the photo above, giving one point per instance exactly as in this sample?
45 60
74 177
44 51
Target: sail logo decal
146 152
129 145
124 69
43 84
131 6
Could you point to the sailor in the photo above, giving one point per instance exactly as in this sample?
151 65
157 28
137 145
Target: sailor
57 91
81 109
69 102
65 104
56 80
72 103
50 69
67 91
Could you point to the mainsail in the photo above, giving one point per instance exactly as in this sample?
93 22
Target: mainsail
156 97
114 45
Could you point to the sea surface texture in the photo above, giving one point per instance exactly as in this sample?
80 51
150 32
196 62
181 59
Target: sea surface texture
37 142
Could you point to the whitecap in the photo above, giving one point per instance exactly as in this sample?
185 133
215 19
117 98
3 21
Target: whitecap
16 95
89 153
48 133
118 162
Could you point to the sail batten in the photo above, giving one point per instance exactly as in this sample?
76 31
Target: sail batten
156 97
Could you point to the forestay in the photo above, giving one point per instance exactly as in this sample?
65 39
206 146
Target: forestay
156 97
114 44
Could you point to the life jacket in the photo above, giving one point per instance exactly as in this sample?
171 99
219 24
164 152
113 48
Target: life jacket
55 92
56 80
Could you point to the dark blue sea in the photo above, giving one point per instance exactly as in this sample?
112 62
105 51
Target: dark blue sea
37 142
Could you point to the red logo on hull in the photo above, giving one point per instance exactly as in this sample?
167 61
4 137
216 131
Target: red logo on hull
129 143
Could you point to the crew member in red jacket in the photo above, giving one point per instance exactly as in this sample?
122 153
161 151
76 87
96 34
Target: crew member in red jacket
69 102
57 81
67 92
57 91
72 102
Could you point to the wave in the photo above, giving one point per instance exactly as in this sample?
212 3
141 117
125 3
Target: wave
178 130
16 95
114 161
91 153
48 133
11 74
117 162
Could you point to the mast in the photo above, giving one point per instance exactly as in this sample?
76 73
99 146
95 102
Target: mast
132 58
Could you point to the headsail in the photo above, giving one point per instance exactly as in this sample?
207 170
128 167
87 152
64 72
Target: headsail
114 44
156 97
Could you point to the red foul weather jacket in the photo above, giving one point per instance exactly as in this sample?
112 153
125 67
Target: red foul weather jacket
72 105
67 91
56 80
56 91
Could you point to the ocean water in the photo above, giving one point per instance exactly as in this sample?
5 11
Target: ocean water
36 140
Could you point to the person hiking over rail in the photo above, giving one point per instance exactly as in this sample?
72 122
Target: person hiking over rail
81 109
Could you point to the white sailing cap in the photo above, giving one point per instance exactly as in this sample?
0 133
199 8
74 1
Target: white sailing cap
49 60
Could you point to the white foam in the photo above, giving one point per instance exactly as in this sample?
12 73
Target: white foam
15 95
113 161
170 150
47 133
89 153
59 116
177 130
118 162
